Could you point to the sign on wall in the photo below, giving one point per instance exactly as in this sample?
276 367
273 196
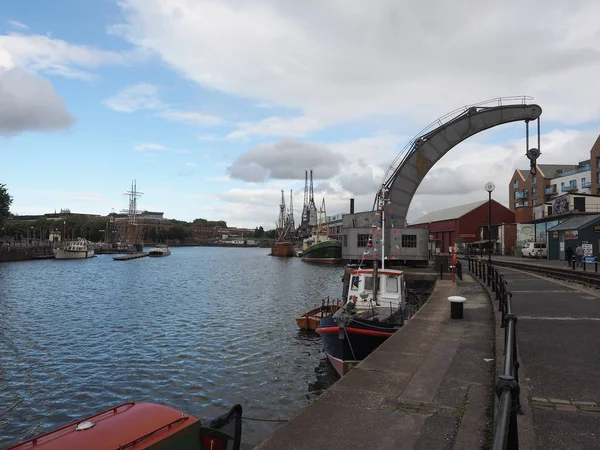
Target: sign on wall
571 235
588 249
467 235
597 228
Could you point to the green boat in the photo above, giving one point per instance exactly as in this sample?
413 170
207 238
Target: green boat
319 248
329 251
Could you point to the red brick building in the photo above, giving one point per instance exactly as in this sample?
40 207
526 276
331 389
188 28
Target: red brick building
461 224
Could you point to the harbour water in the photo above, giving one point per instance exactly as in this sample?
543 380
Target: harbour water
200 330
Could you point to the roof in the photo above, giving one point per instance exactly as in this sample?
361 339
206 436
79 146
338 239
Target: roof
576 223
551 170
449 213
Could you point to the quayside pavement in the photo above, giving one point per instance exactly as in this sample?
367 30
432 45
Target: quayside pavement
558 340
429 386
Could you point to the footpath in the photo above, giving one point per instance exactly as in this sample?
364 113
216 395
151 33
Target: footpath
558 341
429 386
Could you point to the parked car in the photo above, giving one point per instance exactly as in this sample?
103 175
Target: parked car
534 250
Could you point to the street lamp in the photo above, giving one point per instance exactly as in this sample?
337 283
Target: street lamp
489 186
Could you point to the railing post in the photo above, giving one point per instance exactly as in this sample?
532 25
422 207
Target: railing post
499 287
595 266
584 264
573 262
489 274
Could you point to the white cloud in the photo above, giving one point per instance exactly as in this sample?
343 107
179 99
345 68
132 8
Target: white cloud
18 25
150 147
337 60
30 103
141 96
285 159
193 117
56 57
277 126
144 97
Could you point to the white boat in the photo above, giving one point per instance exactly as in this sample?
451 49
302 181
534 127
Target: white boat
159 250
79 249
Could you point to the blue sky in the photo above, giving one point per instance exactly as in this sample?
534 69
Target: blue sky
214 107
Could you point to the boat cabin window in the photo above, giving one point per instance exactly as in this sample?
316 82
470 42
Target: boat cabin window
355 282
369 284
391 284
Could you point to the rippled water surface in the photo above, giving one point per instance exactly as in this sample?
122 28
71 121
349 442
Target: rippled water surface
199 330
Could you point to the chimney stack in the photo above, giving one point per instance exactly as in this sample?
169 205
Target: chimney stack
351 206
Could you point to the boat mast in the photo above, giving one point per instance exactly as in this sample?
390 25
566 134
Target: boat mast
382 210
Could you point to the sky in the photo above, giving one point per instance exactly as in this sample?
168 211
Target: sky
214 107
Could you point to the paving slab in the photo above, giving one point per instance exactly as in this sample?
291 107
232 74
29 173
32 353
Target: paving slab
427 387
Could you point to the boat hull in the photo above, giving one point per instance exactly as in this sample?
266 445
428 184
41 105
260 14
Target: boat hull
353 343
69 254
158 254
324 252
283 249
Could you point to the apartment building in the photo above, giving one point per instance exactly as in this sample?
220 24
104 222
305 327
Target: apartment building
527 192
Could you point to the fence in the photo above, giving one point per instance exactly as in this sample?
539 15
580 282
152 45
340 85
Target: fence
506 435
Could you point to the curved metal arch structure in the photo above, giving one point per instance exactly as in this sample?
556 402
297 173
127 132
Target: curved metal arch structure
430 146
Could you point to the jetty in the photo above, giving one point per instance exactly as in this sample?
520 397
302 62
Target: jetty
131 256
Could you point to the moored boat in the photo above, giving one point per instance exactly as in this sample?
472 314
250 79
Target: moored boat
142 426
285 249
283 246
367 318
373 310
319 248
310 320
159 250
329 251
79 249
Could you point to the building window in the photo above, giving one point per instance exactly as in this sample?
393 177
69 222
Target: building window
526 203
598 162
516 183
534 191
598 177
409 240
535 202
345 239
517 194
363 240
583 182
562 186
534 179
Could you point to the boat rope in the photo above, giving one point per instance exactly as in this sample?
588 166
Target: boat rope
348 339
264 420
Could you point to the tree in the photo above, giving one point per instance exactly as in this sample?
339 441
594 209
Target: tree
5 202
259 232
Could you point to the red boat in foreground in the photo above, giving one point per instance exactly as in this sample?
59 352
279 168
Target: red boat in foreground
142 426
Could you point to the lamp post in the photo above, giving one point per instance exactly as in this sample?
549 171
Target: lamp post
489 186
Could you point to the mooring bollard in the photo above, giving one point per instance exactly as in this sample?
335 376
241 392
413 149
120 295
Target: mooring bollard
456 306
573 263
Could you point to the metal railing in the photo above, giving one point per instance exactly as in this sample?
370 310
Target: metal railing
521 195
506 434
568 188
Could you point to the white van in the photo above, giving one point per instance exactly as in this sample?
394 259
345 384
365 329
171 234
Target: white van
534 250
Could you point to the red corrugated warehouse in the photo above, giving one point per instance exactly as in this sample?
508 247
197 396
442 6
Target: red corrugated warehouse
450 226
